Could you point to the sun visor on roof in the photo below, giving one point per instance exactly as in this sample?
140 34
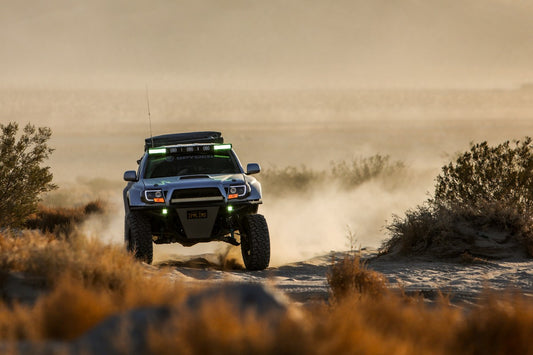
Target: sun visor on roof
183 138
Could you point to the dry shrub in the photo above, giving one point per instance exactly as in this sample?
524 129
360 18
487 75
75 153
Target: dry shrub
91 281
486 189
348 175
443 232
361 170
350 276
97 206
97 264
383 325
365 317
216 328
291 179
362 324
62 220
414 232
87 281
71 309
501 325
18 322
74 307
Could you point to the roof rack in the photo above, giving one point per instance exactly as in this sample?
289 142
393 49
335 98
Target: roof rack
183 138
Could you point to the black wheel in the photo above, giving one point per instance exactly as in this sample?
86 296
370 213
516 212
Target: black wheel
255 242
138 236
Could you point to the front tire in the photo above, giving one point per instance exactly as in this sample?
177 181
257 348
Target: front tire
138 236
255 242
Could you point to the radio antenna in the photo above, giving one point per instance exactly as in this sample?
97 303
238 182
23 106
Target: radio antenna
149 117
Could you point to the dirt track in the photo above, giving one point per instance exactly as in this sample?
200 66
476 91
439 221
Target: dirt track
302 281
305 281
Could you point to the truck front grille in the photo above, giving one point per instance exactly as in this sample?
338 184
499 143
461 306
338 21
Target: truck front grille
196 195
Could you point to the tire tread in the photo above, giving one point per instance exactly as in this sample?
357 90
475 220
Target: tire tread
140 236
258 240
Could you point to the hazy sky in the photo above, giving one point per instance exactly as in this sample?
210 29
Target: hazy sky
267 44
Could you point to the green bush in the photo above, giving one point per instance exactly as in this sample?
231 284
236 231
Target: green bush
22 176
484 174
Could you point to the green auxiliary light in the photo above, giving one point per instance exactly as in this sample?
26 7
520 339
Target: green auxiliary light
230 208
164 211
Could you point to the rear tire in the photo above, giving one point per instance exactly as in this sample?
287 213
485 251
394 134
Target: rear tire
255 242
138 236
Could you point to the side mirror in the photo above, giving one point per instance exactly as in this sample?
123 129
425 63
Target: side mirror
252 168
130 175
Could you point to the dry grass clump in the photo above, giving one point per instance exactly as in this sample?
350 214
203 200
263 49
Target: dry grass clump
97 264
93 281
351 276
384 325
216 328
498 326
355 324
87 281
368 318
63 220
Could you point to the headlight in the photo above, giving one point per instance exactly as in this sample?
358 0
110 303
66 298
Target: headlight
154 196
236 191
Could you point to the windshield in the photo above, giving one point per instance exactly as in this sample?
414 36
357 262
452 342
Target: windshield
159 166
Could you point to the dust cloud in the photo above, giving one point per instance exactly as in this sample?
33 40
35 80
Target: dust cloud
302 225
318 222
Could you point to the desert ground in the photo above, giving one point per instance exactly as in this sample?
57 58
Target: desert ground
305 281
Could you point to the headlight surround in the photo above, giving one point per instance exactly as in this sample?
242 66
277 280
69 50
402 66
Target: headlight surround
154 196
236 191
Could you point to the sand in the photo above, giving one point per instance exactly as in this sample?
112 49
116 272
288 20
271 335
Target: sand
305 281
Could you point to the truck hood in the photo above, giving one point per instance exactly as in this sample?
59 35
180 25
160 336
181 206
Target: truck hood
191 181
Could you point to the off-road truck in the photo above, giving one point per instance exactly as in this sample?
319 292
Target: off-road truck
191 188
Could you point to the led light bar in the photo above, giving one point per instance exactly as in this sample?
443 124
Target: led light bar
193 148
222 147
157 151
